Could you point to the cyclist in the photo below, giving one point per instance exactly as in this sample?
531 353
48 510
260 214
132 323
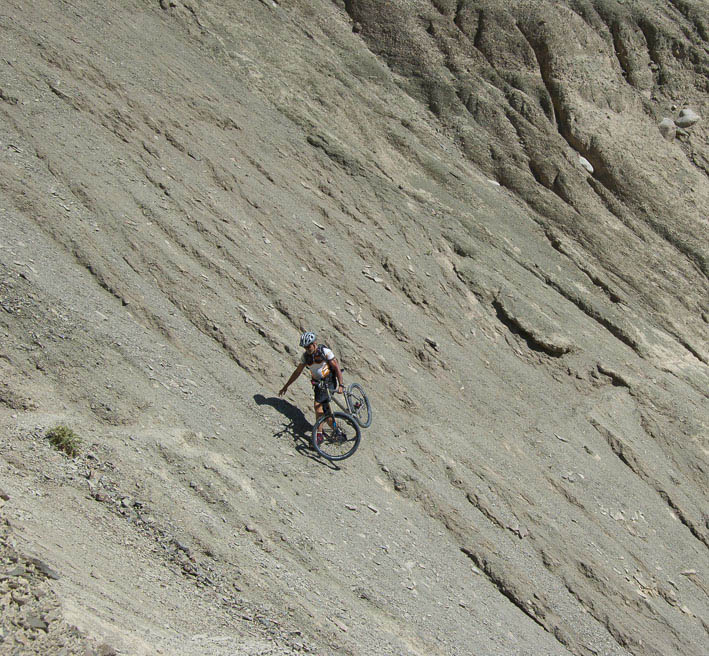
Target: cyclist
323 366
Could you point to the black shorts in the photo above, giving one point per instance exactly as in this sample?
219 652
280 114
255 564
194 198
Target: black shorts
319 393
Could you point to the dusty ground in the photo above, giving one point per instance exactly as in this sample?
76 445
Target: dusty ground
186 186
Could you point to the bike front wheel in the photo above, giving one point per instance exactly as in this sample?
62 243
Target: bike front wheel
340 436
358 404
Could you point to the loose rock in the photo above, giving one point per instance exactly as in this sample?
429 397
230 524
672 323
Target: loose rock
586 164
687 118
668 129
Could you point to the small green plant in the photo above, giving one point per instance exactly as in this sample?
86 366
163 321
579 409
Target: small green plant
64 439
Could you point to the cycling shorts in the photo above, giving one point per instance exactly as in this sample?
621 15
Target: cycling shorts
320 394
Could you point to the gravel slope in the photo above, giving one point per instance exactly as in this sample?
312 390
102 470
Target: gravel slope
186 186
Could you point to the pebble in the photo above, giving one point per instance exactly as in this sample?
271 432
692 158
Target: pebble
586 164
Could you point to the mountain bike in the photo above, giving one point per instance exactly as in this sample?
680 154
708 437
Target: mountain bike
358 404
340 431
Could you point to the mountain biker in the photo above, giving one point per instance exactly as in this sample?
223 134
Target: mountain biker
323 367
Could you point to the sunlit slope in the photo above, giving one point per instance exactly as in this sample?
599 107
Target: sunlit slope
186 187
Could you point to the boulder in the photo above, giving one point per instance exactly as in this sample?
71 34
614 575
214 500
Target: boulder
687 118
668 129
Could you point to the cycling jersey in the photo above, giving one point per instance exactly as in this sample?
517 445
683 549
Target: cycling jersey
319 362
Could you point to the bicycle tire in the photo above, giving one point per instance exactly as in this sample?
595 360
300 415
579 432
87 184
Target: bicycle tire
334 446
358 404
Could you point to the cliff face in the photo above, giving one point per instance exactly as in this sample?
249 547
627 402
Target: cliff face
477 205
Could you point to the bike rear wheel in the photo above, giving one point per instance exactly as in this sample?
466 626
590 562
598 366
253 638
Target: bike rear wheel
339 440
358 404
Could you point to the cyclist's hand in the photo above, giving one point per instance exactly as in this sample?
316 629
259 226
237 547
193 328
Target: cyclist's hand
341 389
282 391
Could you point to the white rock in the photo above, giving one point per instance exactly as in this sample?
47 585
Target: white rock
586 164
687 118
668 129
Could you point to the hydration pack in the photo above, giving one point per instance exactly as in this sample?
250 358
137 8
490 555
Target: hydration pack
319 355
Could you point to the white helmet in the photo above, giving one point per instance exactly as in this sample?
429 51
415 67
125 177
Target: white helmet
306 339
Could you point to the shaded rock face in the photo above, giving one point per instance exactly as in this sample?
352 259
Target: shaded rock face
526 86
474 206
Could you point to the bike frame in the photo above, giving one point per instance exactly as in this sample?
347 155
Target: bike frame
332 397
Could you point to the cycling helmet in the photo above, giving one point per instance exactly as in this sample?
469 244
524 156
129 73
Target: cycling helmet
306 339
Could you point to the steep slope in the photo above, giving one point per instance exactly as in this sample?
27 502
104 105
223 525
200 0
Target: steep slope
186 186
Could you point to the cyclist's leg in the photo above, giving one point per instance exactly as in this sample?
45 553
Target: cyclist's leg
320 404
321 401
332 386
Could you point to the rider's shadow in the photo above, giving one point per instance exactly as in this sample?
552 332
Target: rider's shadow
298 427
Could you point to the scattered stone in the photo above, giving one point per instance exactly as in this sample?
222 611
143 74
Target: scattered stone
668 129
8 98
519 530
586 164
183 547
45 569
17 571
340 625
19 598
376 279
687 118
35 622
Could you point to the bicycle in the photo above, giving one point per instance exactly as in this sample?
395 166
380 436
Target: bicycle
340 431
358 404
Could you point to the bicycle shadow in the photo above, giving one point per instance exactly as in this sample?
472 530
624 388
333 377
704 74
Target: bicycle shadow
298 426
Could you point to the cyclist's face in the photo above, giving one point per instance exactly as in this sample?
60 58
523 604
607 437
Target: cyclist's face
310 348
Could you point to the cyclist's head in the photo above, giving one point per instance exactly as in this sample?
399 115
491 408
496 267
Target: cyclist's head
306 339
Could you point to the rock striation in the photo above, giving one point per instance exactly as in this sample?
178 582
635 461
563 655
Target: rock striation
495 213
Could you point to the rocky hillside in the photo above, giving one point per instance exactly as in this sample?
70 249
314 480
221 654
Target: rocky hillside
494 212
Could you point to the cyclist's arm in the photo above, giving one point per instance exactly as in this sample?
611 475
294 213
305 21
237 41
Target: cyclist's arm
338 372
293 378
